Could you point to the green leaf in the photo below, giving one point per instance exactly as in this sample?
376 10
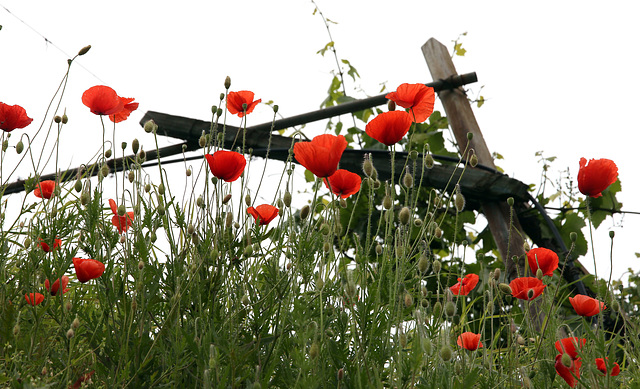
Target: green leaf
459 50
480 101
325 48
308 176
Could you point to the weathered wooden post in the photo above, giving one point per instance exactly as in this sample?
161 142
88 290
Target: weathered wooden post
506 232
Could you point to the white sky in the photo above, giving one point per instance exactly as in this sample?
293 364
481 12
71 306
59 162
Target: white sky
558 76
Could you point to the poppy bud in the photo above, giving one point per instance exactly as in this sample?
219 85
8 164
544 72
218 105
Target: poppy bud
226 199
245 300
449 308
153 237
469 135
504 288
121 210
404 215
473 161
191 229
227 83
367 166
539 275
379 249
526 246
408 300
386 202
496 273
68 306
16 330
147 188
340 374
57 119
391 105
287 199
135 146
436 266
438 233
76 323
161 210
314 350
84 198
161 188
612 233
219 113
324 229
19 147
459 201
520 340
140 265
350 288
428 161
417 222
188 172
376 183
65 119
423 264
84 50
107 154
437 309
104 170
150 126
402 337
566 360
446 353
5 145
510 201
413 155
615 305
304 212
407 180
132 176
247 200
70 333
202 141
248 251
326 247
78 186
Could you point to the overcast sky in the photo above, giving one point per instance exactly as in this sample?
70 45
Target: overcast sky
557 76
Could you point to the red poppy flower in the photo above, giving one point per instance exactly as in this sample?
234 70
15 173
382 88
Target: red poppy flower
226 165
596 176
389 127
601 365
12 117
569 374
235 101
127 107
45 189
469 340
34 298
263 214
46 248
418 97
322 155
83 378
543 259
465 285
102 100
586 306
344 183
56 285
87 269
568 346
526 288
122 223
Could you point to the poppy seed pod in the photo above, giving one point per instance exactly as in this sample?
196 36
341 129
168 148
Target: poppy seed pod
573 236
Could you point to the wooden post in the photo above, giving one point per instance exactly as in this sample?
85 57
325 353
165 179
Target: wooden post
507 233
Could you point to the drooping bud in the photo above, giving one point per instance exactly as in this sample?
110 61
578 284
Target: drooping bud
131 176
147 188
496 273
121 210
19 147
200 201
340 374
473 161
428 161
84 198
228 220
188 172
539 274
566 360
78 186
378 249
107 153
304 212
161 189
202 141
